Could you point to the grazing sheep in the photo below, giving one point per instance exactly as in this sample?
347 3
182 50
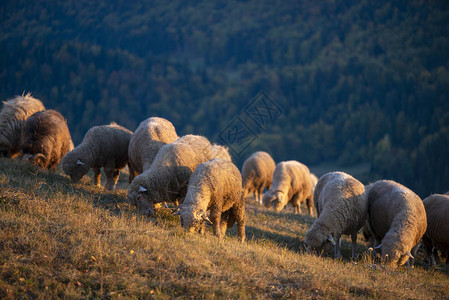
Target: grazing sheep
397 220
215 185
46 139
257 174
12 119
341 208
291 184
222 152
104 147
437 233
149 137
167 178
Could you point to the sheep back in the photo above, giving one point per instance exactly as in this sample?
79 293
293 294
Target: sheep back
104 146
397 218
46 139
257 172
12 119
291 183
148 138
341 208
222 152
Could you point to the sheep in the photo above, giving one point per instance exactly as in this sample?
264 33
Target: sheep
215 185
46 139
291 184
222 152
436 236
167 178
341 208
104 146
257 174
149 137
12 119
397 221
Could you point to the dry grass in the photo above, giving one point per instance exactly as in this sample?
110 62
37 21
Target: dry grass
59 240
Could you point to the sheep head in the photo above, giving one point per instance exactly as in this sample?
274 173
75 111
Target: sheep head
193 220
274 198
74 166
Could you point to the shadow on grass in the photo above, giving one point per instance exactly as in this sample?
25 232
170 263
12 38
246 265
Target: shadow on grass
259 235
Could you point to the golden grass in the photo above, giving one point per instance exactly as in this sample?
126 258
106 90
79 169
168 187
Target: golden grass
59 240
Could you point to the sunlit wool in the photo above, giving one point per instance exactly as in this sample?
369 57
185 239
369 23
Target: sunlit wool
341 208
104 146
167 178
12 119
147 139
215 185
291 184
397 220
46 139
257 174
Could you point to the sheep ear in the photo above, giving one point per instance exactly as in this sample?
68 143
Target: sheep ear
202 214
80 163
142 189
331 239
378 246
206 218
409 254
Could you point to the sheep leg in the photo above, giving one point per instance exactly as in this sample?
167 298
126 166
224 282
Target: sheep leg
309 202
97 177
354 245
225 217
337 253
111 176
239 215
215 217
296 204
260 194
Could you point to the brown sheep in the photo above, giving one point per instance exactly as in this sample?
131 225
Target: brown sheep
291 184
397 220
12 119
257 174
104 146
437 233
46 139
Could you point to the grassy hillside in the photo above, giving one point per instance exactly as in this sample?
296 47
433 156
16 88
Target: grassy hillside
77 241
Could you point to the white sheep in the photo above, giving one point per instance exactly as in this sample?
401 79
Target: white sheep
12 119
437 233
257 174
104 146
147 139
341 208
397 221
291 184
167 178
215 185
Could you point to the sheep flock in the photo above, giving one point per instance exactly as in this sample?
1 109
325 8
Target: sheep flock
204 187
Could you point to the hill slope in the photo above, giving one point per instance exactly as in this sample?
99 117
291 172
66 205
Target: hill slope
62 240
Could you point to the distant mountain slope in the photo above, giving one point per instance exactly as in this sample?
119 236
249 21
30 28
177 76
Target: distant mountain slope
358 81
